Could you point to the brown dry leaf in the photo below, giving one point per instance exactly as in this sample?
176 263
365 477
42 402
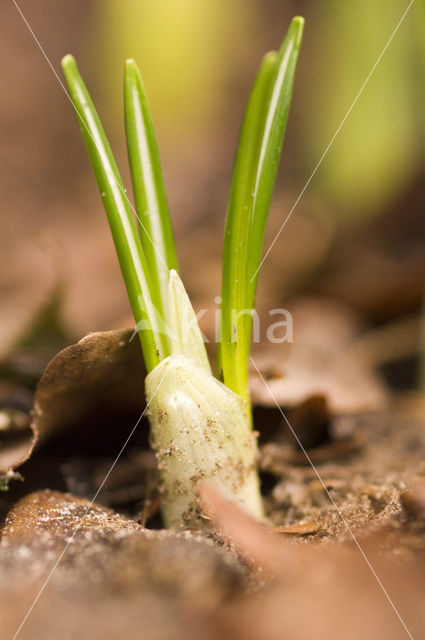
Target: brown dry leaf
104 368
333 451
301 528
46 516
320 361
413 499
17 438
115 578
316 592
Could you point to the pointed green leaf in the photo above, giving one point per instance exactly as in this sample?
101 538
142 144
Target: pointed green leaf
237 233
134 266
254 176
148 183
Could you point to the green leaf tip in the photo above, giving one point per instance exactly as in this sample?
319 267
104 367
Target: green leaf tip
298 21
131 68
270 57
68 61
297 25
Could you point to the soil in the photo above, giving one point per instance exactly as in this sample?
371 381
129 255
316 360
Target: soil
242 580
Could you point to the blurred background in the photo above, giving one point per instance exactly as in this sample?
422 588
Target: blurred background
353 252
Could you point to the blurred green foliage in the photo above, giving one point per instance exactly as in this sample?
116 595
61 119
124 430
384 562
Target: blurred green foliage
188 53
175 43
378 148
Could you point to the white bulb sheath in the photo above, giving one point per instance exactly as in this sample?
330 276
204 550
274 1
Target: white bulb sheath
199 430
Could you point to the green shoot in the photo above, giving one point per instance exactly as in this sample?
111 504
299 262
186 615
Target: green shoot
200 428
145 298
256 165
148 183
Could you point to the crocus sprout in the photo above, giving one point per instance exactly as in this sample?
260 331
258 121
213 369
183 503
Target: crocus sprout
201 425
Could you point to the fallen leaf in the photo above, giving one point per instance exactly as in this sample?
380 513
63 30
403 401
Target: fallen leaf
104 368
17 435
314 591
111 577
320 361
